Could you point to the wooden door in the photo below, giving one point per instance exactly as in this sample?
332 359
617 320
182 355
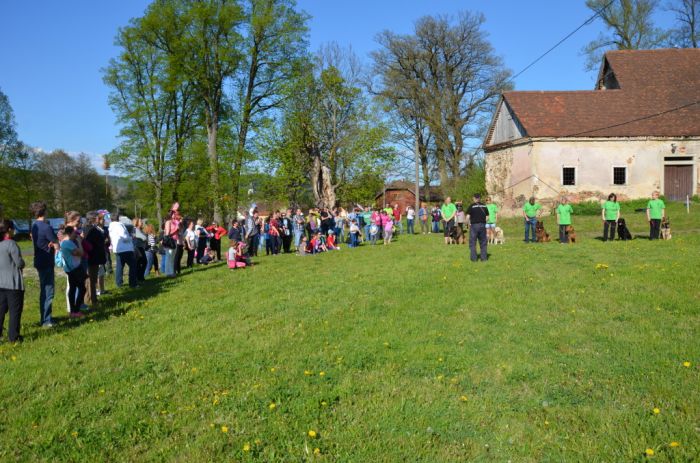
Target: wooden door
678 182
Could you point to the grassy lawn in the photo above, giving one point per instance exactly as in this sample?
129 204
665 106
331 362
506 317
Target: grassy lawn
407 352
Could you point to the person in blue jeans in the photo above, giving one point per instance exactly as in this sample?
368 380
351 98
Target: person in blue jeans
45 244
123 248
530 212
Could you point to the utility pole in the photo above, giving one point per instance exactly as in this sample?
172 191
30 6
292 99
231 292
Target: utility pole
417 175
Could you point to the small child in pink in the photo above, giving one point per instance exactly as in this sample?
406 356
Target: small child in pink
388 229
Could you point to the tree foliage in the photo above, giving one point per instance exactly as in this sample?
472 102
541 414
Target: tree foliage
629 26
329 134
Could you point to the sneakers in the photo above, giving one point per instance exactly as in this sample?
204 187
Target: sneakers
77 314
47 325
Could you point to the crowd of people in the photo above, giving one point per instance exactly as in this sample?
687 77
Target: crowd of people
88 248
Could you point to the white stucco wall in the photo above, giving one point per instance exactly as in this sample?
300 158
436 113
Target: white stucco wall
593 159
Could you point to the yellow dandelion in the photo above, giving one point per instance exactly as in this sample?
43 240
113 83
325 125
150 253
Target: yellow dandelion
440 377
324 403
246 447
308 372
546 423
463 398
674 444
211 425
649 452
272 406
224 429
312 434
102 391
194 370
74 434
440 359
273 369
317 451
322 373
656 411
685 364
13 358
386 344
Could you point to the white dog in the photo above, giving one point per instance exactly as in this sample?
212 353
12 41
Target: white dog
498 237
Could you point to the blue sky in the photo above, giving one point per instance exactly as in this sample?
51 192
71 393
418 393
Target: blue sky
52 53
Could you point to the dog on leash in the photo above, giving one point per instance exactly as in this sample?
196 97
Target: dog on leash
623 232
457 236
665 229
498 236
570 234
541 233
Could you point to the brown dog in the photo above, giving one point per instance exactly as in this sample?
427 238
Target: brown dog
541 233
457 236
665 229
570 233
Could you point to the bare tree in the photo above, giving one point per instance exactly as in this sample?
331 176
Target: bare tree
687 31
444 78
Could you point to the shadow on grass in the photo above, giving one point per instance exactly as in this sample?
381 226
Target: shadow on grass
119 302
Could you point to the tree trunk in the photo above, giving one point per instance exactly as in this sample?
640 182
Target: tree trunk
212 129
159 204
324 193
442 164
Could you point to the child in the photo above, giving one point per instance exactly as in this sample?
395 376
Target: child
71 255
303 246
373 233
330 241
388 229
354 234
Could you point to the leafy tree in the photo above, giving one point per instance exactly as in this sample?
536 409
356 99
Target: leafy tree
8 133
202 41
157 110
329 133
629 25
274 47
687 31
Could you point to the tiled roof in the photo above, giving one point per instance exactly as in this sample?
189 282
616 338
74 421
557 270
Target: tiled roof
658 95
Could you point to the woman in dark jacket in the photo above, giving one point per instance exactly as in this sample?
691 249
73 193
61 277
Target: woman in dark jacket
95 237
11 281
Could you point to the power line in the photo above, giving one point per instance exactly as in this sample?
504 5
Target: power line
587 22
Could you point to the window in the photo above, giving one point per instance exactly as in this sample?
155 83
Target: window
568 176
396 196
619 175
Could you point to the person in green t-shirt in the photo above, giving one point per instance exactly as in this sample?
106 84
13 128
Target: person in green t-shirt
448 211
656 210
610 214
491 222
564 211
530 211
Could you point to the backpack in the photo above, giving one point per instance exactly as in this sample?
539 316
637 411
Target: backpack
61 262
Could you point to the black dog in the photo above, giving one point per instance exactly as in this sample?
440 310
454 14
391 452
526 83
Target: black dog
623 232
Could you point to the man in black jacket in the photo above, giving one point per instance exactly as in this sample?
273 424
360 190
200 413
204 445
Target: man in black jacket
477 214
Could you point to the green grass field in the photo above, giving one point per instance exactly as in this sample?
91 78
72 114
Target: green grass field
407 352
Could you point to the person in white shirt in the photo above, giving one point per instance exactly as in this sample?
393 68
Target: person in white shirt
123 248
410 219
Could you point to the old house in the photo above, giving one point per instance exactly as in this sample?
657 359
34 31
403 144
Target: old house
403 193
636 132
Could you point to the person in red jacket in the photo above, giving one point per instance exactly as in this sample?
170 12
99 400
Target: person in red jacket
217 232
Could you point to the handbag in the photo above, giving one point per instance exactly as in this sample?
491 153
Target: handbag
169 242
